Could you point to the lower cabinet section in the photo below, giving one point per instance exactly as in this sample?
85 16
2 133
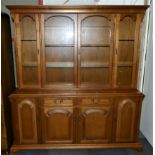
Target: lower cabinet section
76 120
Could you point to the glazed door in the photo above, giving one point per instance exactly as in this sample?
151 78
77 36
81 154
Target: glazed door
128 117
27 50
127 51
95 121
57 121
95 46
59 50
25 121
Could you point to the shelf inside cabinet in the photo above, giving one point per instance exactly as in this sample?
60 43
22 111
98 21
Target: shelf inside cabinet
59 64
95 45
94 64
126 40
59 45
95 27
28 40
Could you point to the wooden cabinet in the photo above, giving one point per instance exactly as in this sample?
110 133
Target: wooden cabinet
77 74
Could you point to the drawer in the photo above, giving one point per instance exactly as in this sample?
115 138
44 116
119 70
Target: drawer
95 101
58 101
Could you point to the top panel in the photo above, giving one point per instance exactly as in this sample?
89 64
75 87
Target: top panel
79 9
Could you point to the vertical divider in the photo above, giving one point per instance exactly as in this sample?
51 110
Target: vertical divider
42 52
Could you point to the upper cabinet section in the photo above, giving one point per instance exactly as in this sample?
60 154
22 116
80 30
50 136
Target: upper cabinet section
86 47
27 50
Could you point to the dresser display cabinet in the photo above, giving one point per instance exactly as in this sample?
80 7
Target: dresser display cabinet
77 75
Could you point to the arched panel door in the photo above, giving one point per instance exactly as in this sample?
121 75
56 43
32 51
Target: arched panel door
127 120
127 50
59 50
95 46
57 124
25 121
28 50
95 124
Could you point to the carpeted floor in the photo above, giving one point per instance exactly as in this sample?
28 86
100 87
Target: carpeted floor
148 150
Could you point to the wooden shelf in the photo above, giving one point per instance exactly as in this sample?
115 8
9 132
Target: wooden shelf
94 64
95 27
126 40
95 45
59 45
27 40
59 64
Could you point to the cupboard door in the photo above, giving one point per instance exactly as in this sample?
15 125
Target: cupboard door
95 124
25 121
57 124
127 49
95 47
28 50
127 123
59 50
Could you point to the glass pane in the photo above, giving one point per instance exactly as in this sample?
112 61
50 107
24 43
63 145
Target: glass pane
127 28
95 76
59 75
95 30
126 51
59 50
60 29
29 54
124 76
30 76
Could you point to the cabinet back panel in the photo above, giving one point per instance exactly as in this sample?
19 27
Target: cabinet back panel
98 35
28 27
95 54
59 54
29 51
95 75
59 75
59 30
30 75
126 51
127 28
124 76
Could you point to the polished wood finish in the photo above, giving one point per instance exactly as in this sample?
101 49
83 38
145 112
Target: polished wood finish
77 77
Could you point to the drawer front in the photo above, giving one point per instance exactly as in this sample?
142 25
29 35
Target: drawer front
58 101
95 101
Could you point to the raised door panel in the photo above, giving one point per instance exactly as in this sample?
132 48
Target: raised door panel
127 50
127 120
59 50
95 45
28 50
57 124
25 121
95 123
